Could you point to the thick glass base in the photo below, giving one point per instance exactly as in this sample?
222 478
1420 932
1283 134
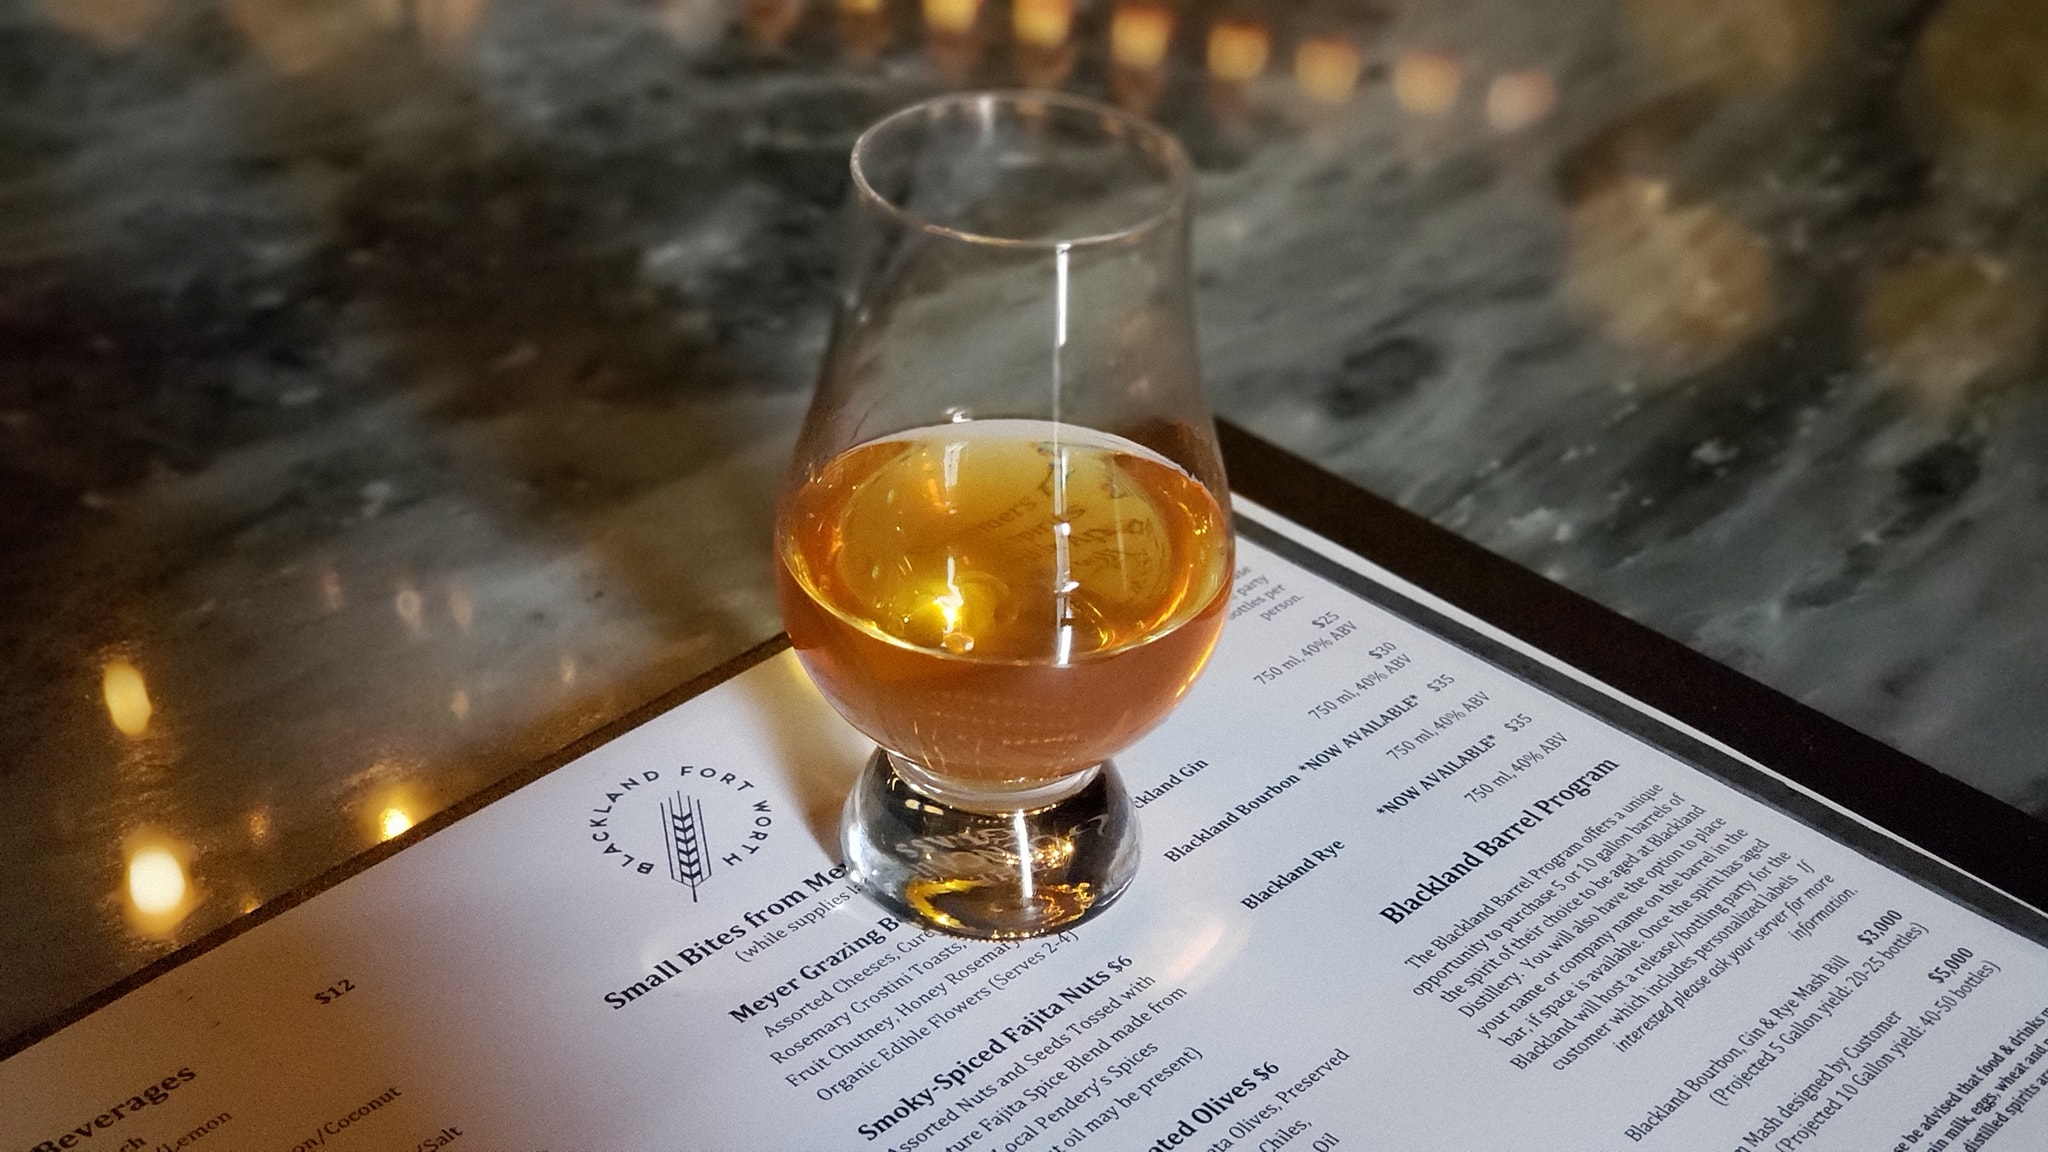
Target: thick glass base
993 865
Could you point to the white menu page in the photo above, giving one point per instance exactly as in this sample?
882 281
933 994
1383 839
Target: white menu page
1394 895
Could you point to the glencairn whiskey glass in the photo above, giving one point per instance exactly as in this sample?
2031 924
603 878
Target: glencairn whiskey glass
1003 546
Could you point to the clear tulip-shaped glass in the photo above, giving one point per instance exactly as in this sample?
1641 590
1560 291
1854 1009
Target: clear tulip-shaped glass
1003 545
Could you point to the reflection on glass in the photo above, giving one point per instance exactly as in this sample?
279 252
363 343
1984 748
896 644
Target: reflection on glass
1518 100
1986 64
1326 68
259 825
458 704
1735 46
1939 324
566 669
108 23
1683 284
393 822
1427 83
1238 51
127 697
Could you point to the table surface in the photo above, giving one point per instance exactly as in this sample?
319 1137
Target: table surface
393 390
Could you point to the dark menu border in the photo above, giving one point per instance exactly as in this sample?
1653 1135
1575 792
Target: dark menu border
1987 842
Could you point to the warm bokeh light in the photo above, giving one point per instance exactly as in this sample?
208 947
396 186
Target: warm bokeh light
108 23
863 29
1518 100
1683 284
1139 35
770 22
1326 68
127 697
393 822
156 881
297 37
332 597
1986 65
1939 324
1042 67
1042 23
953 17
1736 46
458 705
1238 51
259 825
411 608
447 26
695 24
1427 83
461 606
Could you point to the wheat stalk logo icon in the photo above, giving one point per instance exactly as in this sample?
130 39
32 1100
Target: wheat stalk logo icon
689 860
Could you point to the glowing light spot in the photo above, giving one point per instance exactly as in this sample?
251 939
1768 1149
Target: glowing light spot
1043 23
393 822
1139 35
1982 60
769 22
461 607
412 609
1427 83
566 669
864 29
458 704
1683 283
447 26
156 881
108 23
1326 68
1737 46
1238 51
1941 323
297 37
127 698
332 597
955 17
259 825
1518 100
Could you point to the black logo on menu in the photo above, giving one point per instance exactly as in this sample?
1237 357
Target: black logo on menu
689 823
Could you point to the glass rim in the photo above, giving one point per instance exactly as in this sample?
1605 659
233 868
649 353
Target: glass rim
1177 182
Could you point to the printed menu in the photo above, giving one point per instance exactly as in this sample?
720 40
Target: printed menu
1406 884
